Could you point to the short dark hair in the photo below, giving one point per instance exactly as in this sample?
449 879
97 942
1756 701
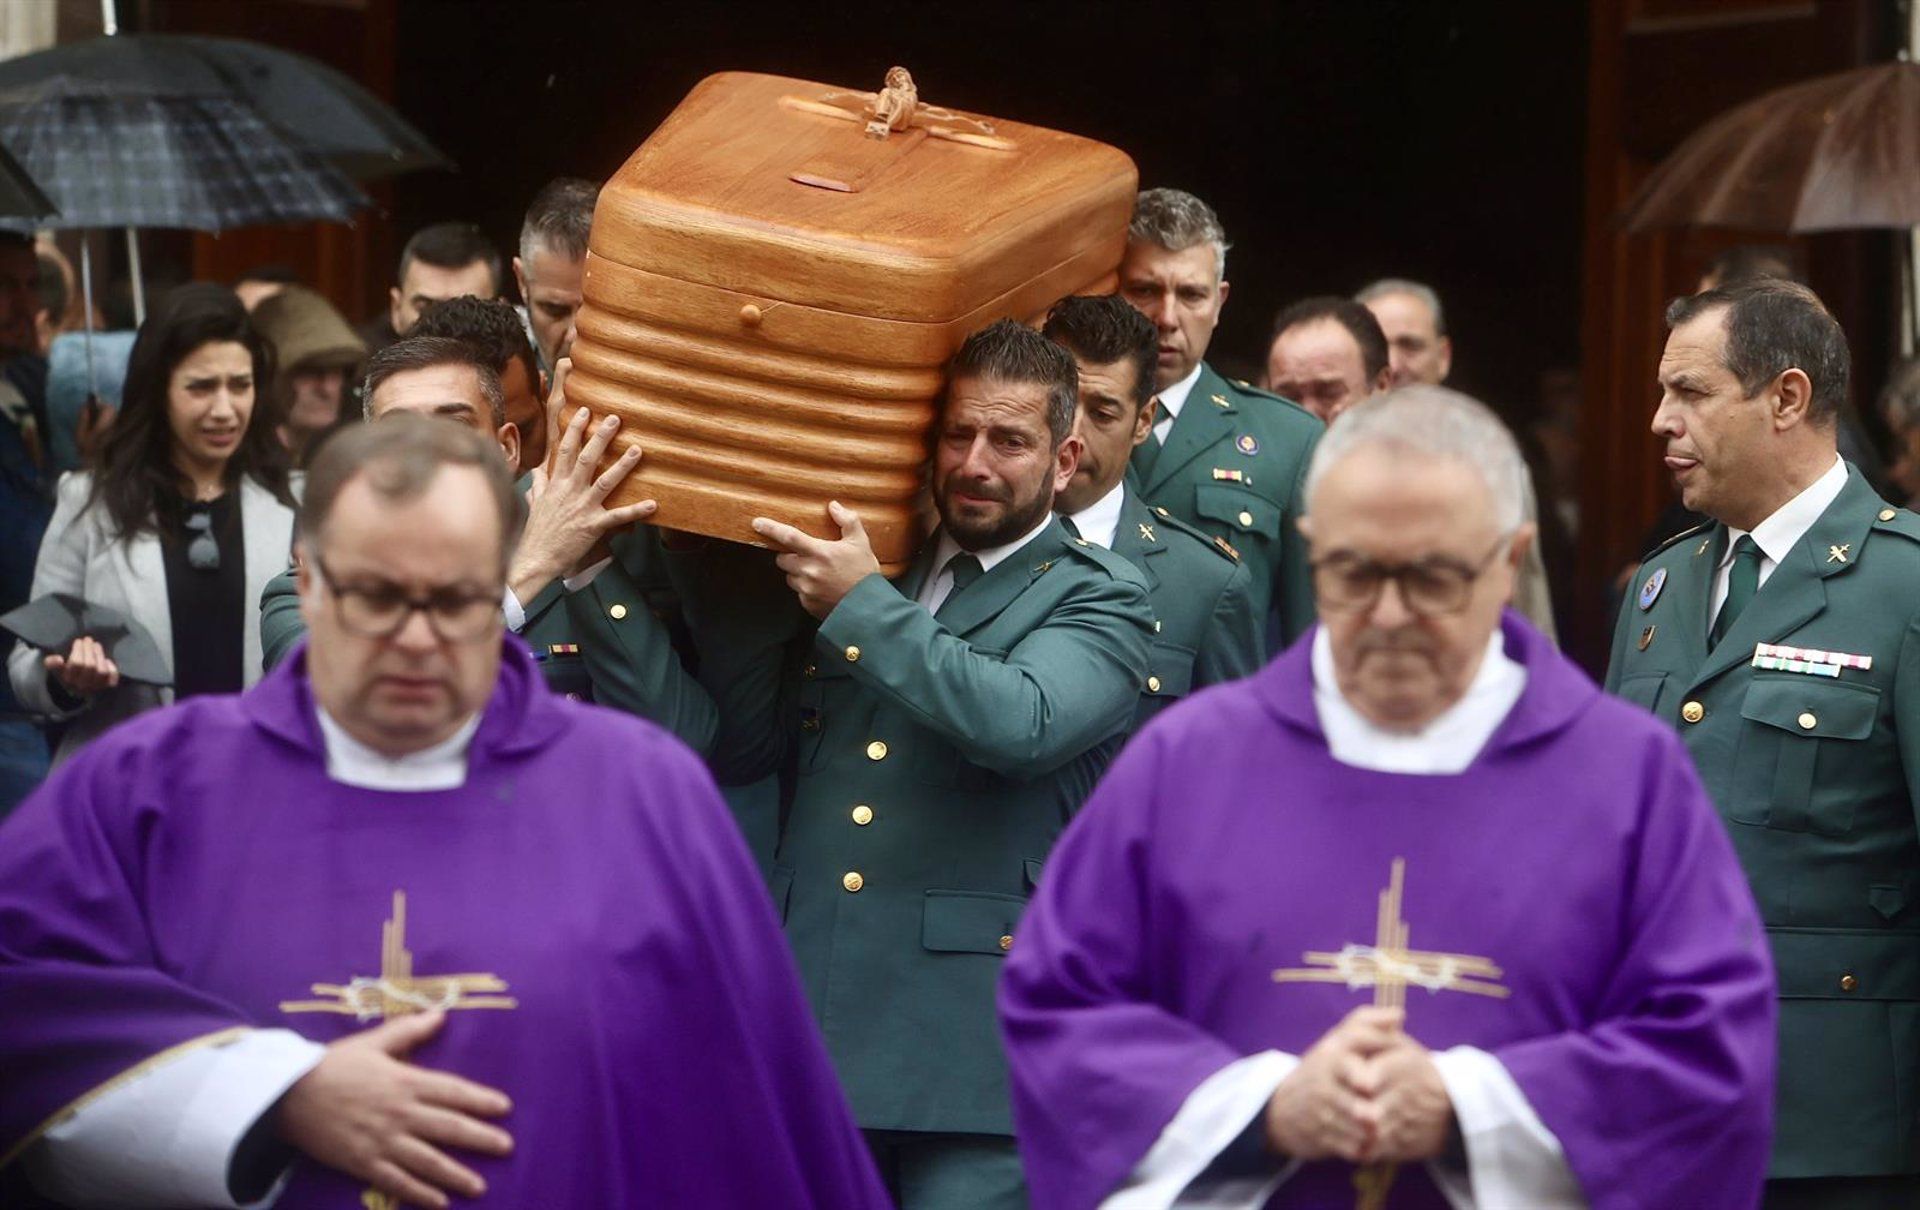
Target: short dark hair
400 458
1353 316
1106 329
560 217
425 352
1752 262
1007 351
1774 326
52 285
489 324
450 246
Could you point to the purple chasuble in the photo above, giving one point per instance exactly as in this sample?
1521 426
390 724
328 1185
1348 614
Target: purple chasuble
1221 895
582 906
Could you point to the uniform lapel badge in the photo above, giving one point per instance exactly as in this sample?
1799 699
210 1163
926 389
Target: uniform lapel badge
1146 532
1838 554
1650 591
1222 401
1773 657
1231 476
1246 444
1702 548
1646 637
1227 546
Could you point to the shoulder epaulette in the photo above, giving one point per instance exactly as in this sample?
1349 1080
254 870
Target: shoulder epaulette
1167 521
1118 566
1898 521
1678 538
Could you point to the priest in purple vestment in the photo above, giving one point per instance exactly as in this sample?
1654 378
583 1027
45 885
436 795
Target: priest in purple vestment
1415 917
399 925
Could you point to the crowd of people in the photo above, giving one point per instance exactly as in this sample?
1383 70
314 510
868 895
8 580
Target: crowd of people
1205 818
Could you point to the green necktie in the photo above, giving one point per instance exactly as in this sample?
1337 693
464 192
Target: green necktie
964 569
1743 580
1066 523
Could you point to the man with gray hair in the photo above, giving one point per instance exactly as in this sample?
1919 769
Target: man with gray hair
1419 349
1780 641
1223 457
550 264
398 925
1482 939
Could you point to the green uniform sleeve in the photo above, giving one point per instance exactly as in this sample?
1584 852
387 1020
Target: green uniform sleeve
1292 578
281 626
1072 682
1230 648
632 661
1622 626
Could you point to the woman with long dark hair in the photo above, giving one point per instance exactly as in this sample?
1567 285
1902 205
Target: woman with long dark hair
185 514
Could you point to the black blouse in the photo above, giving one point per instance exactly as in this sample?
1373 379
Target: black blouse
207 596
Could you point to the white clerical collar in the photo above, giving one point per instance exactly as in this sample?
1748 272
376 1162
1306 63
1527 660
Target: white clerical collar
1098 522
935 590
1173 398
1448 744
441 767
1790 522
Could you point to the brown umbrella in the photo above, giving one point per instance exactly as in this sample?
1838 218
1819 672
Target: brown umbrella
1837 152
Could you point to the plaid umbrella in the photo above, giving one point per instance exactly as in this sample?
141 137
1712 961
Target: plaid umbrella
321 109
132 157
19 196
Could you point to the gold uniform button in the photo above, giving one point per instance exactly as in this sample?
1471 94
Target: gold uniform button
810 724
877 750
1848 983
616 612
1160 511
809 670
1693 712
852 881
1153 684
1156 626
1887 514
1246 518
853 655
1006 941
863 815
1808 722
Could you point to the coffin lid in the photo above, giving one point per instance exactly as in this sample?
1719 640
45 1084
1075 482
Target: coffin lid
921 226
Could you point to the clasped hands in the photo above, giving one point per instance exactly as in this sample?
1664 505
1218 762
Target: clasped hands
1365 1092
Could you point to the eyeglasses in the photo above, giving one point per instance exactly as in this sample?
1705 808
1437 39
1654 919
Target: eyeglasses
379 611
1432 587
203 552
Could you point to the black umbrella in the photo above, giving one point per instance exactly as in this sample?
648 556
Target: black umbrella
53 622
20 197
320 108
129 157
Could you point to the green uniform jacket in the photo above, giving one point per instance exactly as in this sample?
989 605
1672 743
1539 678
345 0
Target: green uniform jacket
609 643
937 761
1817 778
1234 466
1205 630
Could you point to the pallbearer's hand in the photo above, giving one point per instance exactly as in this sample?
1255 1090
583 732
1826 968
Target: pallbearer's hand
1415 1112
367 1112
568 519
1326 1108
821 572
86 669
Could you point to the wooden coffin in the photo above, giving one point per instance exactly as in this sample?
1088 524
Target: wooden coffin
772 286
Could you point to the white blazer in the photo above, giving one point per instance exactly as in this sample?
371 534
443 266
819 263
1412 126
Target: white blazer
81 555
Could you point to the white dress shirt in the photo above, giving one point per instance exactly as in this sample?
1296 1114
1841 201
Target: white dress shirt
1172 399
939 585
1780 532
1513 1160
1099 521
167 1137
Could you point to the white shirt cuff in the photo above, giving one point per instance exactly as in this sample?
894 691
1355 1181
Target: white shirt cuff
1210 1119
168 1136
516 614
575 583
1513 1161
